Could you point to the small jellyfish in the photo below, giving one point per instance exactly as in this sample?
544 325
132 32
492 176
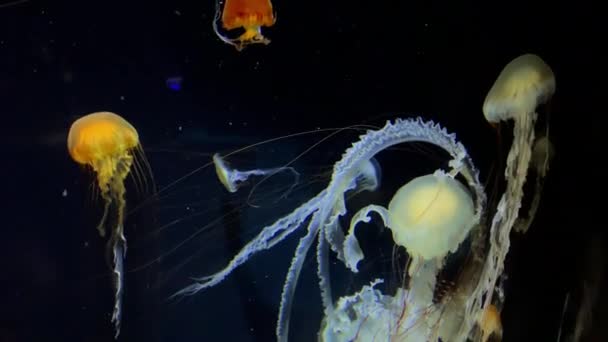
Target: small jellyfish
542 154
250 15
110 145
231 179
489 323
13 3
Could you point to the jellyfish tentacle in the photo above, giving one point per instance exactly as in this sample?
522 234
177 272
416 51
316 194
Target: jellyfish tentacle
291 280
401 131
323 275
542 154
118 240
267 238
324 210
352 251
523 84
119 251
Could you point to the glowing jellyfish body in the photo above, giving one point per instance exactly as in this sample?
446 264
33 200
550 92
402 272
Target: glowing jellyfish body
489 323
521 86
231 179
525 83
431 215
354 172
109 145
250 15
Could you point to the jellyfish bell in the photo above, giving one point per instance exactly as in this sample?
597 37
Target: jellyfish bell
524 83
102 141
431 215
249 15
543 153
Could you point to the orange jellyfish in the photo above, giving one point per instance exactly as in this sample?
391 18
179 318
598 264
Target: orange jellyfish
110 145
250 15
490 324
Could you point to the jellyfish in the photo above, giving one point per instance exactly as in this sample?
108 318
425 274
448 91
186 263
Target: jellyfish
231 179
356 172
250 15
430 216
542 154
525 83
489 323
109 145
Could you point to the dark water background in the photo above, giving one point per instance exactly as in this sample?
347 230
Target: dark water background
330 64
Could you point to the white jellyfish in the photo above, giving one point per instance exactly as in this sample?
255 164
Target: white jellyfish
524 84
353 172
429 216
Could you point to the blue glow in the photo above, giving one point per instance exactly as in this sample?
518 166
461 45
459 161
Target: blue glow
174 83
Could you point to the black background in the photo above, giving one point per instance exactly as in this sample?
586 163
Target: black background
330 63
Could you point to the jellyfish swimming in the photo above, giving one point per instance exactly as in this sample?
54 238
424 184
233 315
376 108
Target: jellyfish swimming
354 172
110 145
232 179
249 15
431 217
523 85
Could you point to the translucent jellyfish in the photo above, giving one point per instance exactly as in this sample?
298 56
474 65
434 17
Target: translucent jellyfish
430 216
356 172
231 179
110 145
524 84
542 154
250 15
521 87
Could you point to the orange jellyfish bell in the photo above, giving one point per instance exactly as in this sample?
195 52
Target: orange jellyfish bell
103 140
250 15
